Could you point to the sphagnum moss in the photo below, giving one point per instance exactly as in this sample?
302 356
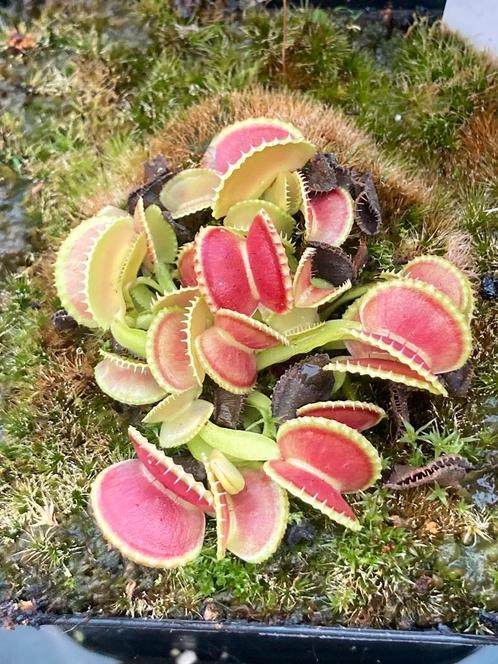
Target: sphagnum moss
59 431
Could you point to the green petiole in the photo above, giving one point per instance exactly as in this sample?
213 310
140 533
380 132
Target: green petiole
331 331
348 296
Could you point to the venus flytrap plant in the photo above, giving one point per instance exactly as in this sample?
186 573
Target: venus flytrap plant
72 179
242 297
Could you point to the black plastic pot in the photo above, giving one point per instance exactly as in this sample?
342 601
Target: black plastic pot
159 641
435 7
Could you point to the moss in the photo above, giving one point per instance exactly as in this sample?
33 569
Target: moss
19 324
437 83
102 77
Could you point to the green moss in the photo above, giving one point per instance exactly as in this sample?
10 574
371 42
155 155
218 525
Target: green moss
430 442
436 83
20 351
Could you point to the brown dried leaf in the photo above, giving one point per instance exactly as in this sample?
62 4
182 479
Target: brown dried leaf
398 394
27 606
130 589
227 408
20 41
431 528
399 522
446 470
211 611
361 256
37 187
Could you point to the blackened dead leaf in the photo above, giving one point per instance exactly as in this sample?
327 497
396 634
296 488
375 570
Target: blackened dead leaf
367 206
446 470
357 183
458 382
346 178
186 227
302 532
331 264
191 223
183 234
423 584
320 173
155 167
190 465
156 174
490 618
399 405
489 287
304 382
63 322
149 192
118 348
227 407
